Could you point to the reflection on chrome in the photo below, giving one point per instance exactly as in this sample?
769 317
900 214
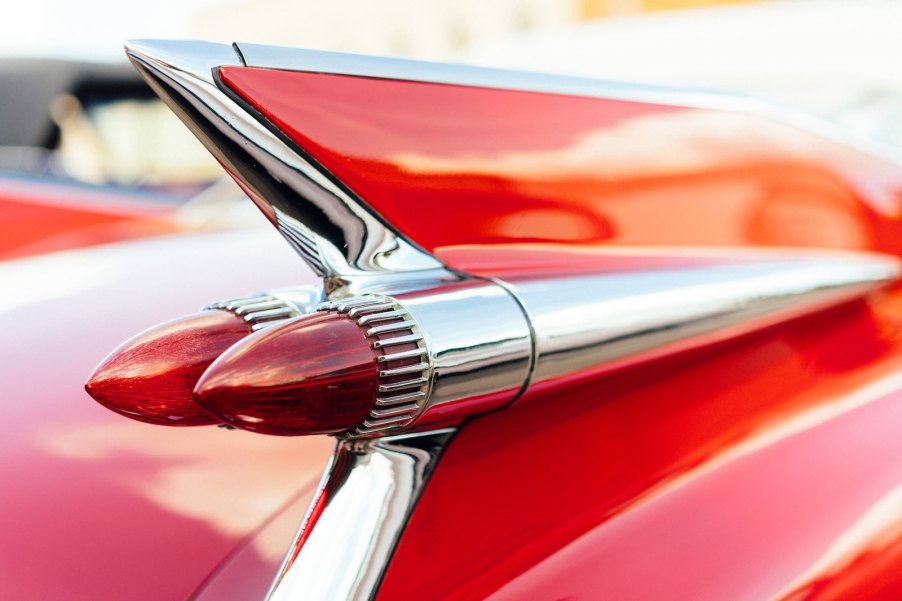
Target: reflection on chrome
349 535
333 231
595 321
479 343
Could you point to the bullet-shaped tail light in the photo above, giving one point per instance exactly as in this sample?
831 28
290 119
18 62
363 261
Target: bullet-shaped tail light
362 366
151 376
314 374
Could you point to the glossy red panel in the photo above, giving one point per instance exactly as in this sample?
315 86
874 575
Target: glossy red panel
516 261
151 376
764 467
248 573
95 506
39 217
500 166
315 374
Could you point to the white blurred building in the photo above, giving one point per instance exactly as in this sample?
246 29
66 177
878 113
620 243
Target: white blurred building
416 28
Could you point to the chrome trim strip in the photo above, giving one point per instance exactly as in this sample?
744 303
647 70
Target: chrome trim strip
377 422
481 344
367 495
402 355
459 74
366 319
597 321
368 310
391 412
397 341
337 234
401 398
392 327
339 63
380 428
416 382
407 369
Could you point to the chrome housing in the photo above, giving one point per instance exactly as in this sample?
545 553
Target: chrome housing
482 344
474 352
605 320
363 503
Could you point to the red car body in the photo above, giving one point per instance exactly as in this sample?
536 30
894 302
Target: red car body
765 464
42 216
98 507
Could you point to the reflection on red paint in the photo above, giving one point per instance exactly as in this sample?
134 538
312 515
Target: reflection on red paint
550 260
151 377
95 506
735 471
315 374
313 514
455 165
248 573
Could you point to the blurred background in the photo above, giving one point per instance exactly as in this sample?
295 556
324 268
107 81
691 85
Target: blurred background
73 111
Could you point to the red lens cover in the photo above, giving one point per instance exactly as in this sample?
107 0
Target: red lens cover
151 376
315 374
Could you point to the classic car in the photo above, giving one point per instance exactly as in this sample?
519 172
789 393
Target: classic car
72 176
570 339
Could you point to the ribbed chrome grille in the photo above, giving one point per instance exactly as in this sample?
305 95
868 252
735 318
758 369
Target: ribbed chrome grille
405 369
258 311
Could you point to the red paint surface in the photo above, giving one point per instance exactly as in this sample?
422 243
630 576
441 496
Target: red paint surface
752 469
38 217
767 466
314 374
95 506
151 376
514 262
249 572
453 165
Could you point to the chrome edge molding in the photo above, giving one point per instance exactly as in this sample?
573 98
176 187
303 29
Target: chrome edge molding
384 67
364 501
340 63
333 231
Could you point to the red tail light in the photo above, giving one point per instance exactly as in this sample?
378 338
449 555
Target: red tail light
315 374
151 377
